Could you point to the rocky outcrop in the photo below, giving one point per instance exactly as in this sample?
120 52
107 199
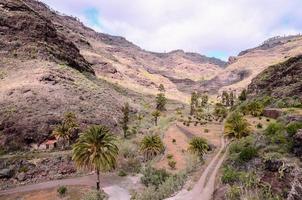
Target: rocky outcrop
27 34
281 80
297 146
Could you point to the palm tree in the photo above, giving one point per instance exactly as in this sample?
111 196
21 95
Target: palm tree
151 145
63 132
66 129
237 126
198 146
156 114
96 149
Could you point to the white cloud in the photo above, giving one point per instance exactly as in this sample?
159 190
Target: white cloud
202 26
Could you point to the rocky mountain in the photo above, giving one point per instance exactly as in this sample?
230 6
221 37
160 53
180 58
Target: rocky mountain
249 63
281 80
51 63
119 61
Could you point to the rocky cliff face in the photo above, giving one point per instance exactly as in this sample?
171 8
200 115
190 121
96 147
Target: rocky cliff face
281 80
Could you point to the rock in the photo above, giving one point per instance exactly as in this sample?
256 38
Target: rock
296 187
21 176
272 113
297 146
6 173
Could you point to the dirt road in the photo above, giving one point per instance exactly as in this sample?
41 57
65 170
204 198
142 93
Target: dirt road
116 187
204 188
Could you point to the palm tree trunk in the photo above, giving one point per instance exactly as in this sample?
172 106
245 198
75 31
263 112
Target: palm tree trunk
98 180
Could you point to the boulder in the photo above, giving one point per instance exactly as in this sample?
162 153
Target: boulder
6 173
272 113
21 176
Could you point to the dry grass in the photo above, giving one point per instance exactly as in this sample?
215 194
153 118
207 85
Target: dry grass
73 193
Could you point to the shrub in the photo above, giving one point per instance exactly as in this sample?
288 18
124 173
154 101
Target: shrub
237 126
234 193
293 127
247 154
132 165
167 188
172 163
198 146
122 173
62 190
153 176
268 120
273 128
173 140
259 126
230 175
169 156
206 130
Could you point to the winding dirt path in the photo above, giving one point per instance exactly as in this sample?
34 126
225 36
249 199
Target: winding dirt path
116 187
204 188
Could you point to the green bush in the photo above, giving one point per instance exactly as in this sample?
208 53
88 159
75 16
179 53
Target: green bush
132 165
273 128
173 140
206 130
62 190
167 188
233 193
293 127
122 173
247 154
230 175
155 177
172 163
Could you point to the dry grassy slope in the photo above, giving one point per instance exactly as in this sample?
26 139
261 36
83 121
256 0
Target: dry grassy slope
119 61
43 75
252 62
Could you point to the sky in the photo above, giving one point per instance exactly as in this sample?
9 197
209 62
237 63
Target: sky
219 28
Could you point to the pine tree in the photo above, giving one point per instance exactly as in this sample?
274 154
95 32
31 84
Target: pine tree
161 102
125 120
243 95
194 102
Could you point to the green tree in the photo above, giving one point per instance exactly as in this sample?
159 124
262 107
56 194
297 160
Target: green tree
193 103
220 111
151 145
156 114
198 146
232 98
161 88
255 108
237 126
204 100
243 95
66 129
161 102
96 149
125 120
225 98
